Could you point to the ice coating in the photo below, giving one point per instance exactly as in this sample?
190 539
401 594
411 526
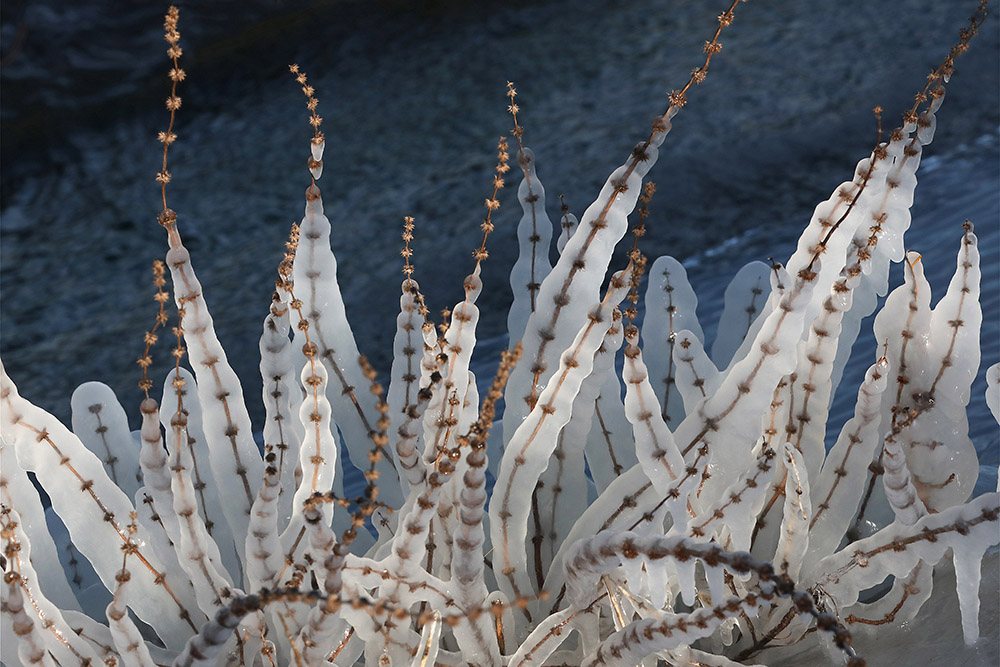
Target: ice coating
83 496
568 223
534 235
572 286
655 448
453 405
317 455
124 633
55 635
16 491
542 642
559 495
744 300
528 450
30 646
892 213
156 474
100 422
609 451
263 546
936 352
205 490
695 376
993 390
281 397
315 276
670 307
794 538
837 491
198 554
404 385
226 421
430 639
716 424
968 529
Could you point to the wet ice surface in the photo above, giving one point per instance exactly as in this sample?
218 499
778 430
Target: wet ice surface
413 104
925 641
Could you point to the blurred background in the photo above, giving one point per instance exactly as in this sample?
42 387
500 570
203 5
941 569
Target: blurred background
412 94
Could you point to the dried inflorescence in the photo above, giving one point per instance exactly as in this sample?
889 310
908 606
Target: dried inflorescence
680 504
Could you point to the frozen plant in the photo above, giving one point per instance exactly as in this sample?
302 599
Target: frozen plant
677 506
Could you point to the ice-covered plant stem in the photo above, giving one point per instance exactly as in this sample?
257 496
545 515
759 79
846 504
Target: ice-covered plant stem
645 498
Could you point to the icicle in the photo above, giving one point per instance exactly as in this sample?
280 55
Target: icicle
315 277
572 288
534 235
52 633
840 487
695 376
404 385
430 638
30 646
609 450
282 400
232 452
744 300
91 505
968 560
794 539
654 445
670 307
17 491
101 424
559 498
528 451
197 552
